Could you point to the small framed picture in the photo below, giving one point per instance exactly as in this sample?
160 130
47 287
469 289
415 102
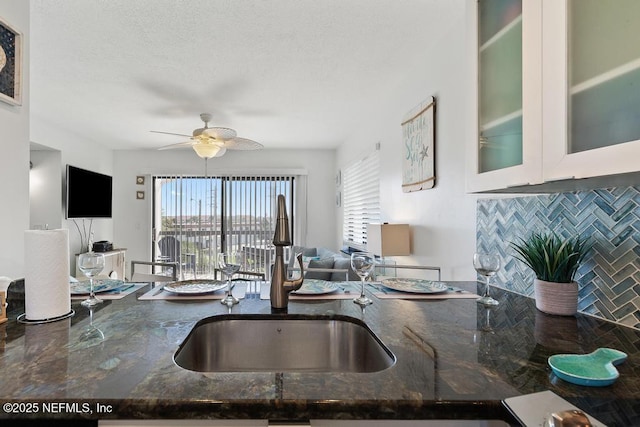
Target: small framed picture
10 64
140 195
140 180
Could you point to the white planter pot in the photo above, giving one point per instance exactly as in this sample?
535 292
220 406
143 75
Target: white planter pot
556 298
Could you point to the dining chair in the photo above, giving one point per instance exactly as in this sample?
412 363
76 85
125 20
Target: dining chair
171 251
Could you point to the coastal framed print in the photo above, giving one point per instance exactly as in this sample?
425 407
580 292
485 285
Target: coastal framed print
418 147
10 64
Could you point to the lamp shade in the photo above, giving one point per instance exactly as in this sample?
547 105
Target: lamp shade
388 239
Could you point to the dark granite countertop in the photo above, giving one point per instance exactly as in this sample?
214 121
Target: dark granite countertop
455 359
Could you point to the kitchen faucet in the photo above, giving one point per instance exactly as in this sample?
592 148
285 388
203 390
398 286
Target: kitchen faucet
280 287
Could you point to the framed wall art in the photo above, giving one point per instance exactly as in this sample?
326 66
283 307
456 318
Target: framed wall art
418 147
10 64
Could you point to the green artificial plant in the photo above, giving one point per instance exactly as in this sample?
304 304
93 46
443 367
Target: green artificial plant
550 257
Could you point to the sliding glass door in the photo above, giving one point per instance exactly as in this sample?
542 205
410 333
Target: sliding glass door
195 217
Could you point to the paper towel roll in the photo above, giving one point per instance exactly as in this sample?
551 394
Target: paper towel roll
47 293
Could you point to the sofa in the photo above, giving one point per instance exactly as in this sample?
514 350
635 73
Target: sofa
323 264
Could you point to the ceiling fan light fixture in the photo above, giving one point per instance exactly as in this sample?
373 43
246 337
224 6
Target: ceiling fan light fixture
210 142
206 151
198 133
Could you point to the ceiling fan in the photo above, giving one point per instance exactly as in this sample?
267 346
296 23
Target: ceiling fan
210 142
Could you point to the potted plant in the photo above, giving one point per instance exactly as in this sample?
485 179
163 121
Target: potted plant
554 261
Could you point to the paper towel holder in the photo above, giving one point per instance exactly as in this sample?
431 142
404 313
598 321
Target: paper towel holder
22 319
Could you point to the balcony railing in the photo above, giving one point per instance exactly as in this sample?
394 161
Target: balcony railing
199 250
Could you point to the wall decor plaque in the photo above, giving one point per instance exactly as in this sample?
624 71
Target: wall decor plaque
10 64
418 147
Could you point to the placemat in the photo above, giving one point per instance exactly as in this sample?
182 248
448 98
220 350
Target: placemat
346 290
385 293
121 292
239 291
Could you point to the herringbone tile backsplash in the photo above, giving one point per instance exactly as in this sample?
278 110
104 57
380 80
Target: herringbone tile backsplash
610 276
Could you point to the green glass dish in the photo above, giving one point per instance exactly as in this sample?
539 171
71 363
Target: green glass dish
595 369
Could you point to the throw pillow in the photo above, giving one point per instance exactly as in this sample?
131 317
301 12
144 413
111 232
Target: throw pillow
341 264
319 263
310 252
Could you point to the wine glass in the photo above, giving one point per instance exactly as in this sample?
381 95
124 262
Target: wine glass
486 322
363 264
92 334
91 264
229 264
486 265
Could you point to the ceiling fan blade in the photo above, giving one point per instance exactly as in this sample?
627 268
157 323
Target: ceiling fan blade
178 145
170 133
220 133
243 144
204 139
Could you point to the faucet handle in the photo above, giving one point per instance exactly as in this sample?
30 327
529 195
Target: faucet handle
295 284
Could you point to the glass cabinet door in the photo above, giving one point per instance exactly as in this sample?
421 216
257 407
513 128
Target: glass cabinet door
591 90
603 73
500 84
504 145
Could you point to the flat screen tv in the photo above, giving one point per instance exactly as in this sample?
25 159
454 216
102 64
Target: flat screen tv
89 194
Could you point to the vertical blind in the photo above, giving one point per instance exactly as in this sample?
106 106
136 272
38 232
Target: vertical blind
219 214
249 214
361 199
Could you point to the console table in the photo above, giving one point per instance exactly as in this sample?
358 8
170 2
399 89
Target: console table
114 264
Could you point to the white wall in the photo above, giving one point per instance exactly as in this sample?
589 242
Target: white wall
17 129
45 189
442 219
132 217
14 155
82 153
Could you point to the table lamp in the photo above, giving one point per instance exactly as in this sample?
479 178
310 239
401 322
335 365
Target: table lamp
388 239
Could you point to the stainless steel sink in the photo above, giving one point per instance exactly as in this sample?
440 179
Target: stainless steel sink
282 343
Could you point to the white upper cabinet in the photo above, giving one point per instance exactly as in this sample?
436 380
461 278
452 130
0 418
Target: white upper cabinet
506 38
558 92
591 98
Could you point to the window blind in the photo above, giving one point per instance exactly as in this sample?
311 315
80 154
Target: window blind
250 217
205 216
361 199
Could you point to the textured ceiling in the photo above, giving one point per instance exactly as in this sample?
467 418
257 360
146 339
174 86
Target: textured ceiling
286 73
